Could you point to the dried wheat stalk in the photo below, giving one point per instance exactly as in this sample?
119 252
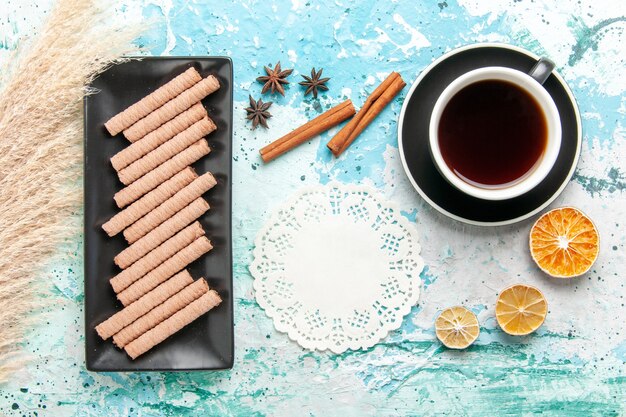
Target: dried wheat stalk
41 153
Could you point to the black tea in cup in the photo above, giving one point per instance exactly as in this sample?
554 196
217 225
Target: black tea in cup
492 133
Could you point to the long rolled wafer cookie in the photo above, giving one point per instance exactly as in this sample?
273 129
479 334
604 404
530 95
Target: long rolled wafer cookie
172 108
167 150
156 257
160 234
161 173
173 304
154 298
152 101
171 325
170 207
162 272
154 139
145 204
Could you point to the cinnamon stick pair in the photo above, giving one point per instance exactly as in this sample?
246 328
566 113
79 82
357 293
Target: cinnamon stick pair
372 107
309 130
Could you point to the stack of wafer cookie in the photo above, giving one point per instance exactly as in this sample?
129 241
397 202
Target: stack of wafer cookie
161 203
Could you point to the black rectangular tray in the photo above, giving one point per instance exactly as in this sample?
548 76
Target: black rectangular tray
207 343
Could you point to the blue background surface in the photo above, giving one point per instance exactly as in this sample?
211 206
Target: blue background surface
573 366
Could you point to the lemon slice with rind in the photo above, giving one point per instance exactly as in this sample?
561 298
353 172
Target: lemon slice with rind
457 327
521 309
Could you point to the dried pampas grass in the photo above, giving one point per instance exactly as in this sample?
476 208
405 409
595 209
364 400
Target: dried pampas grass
41 151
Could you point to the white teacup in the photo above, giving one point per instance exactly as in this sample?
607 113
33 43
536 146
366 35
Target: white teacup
531 83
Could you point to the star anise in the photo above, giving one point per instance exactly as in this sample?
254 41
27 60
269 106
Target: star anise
314 82
274 79
257 112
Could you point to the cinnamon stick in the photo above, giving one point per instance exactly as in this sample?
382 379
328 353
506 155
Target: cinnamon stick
337 141
323 122
372 107
304 127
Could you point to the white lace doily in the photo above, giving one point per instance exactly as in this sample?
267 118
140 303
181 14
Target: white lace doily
337 267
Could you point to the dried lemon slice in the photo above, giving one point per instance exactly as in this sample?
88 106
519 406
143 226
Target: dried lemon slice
521 309
457 327
564 242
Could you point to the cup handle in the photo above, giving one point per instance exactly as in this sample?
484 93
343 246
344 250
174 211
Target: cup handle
542 70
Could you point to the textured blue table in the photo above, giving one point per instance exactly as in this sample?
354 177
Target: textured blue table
573 366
